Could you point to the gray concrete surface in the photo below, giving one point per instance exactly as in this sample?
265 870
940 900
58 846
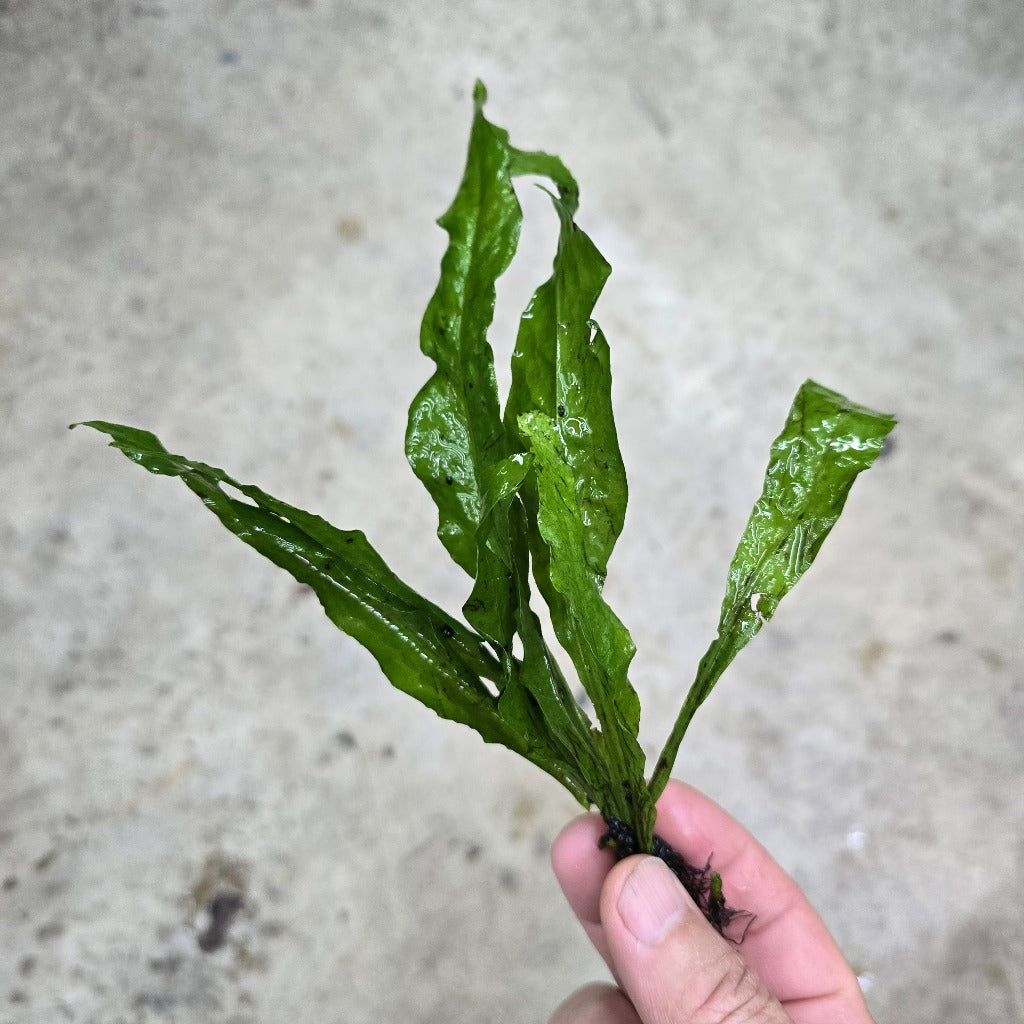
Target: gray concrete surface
216 220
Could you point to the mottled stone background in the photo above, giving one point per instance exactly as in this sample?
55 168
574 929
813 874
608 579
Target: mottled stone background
216 220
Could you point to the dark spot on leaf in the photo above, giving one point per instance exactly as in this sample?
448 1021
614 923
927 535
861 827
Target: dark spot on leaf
350 540
449 479
446 631
561 410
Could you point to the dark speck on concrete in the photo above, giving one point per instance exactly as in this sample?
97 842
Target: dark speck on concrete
43 862
350 229
158 1002
165 964
222 909
345 740
50 930
508 880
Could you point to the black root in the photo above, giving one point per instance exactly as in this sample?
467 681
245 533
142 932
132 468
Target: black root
703 884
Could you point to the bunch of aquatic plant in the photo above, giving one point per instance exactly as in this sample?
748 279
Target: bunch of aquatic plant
531 500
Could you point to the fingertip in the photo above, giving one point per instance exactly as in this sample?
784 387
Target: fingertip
598 1003
576 843
580 865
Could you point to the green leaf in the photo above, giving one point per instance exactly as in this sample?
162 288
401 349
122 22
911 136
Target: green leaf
559 407
471 467
826 443
422 650
561 367
454 435
546 165
598 643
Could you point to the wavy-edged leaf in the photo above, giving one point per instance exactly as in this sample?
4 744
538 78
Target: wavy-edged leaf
559 408
422 650
454 434
534 695
457 446
827 441
598 643
561 367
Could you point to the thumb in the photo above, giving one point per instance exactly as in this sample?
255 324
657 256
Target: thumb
675 968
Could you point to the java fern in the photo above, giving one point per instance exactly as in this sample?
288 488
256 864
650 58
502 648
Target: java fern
539 489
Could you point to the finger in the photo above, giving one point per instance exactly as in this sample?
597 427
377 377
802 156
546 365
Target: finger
675 968
581 868
787 944
596 1004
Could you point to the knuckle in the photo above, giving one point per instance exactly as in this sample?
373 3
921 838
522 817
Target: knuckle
738 997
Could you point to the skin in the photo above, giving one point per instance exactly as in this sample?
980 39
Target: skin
670 964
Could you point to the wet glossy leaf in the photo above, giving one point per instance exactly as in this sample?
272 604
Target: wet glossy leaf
598 643
826 443
561 367
455 437
559 407
422 650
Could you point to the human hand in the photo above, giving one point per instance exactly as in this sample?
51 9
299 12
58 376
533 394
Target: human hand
671 965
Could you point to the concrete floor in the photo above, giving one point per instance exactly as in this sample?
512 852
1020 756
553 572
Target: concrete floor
216 220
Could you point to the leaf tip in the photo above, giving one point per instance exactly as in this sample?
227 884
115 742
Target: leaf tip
479 93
